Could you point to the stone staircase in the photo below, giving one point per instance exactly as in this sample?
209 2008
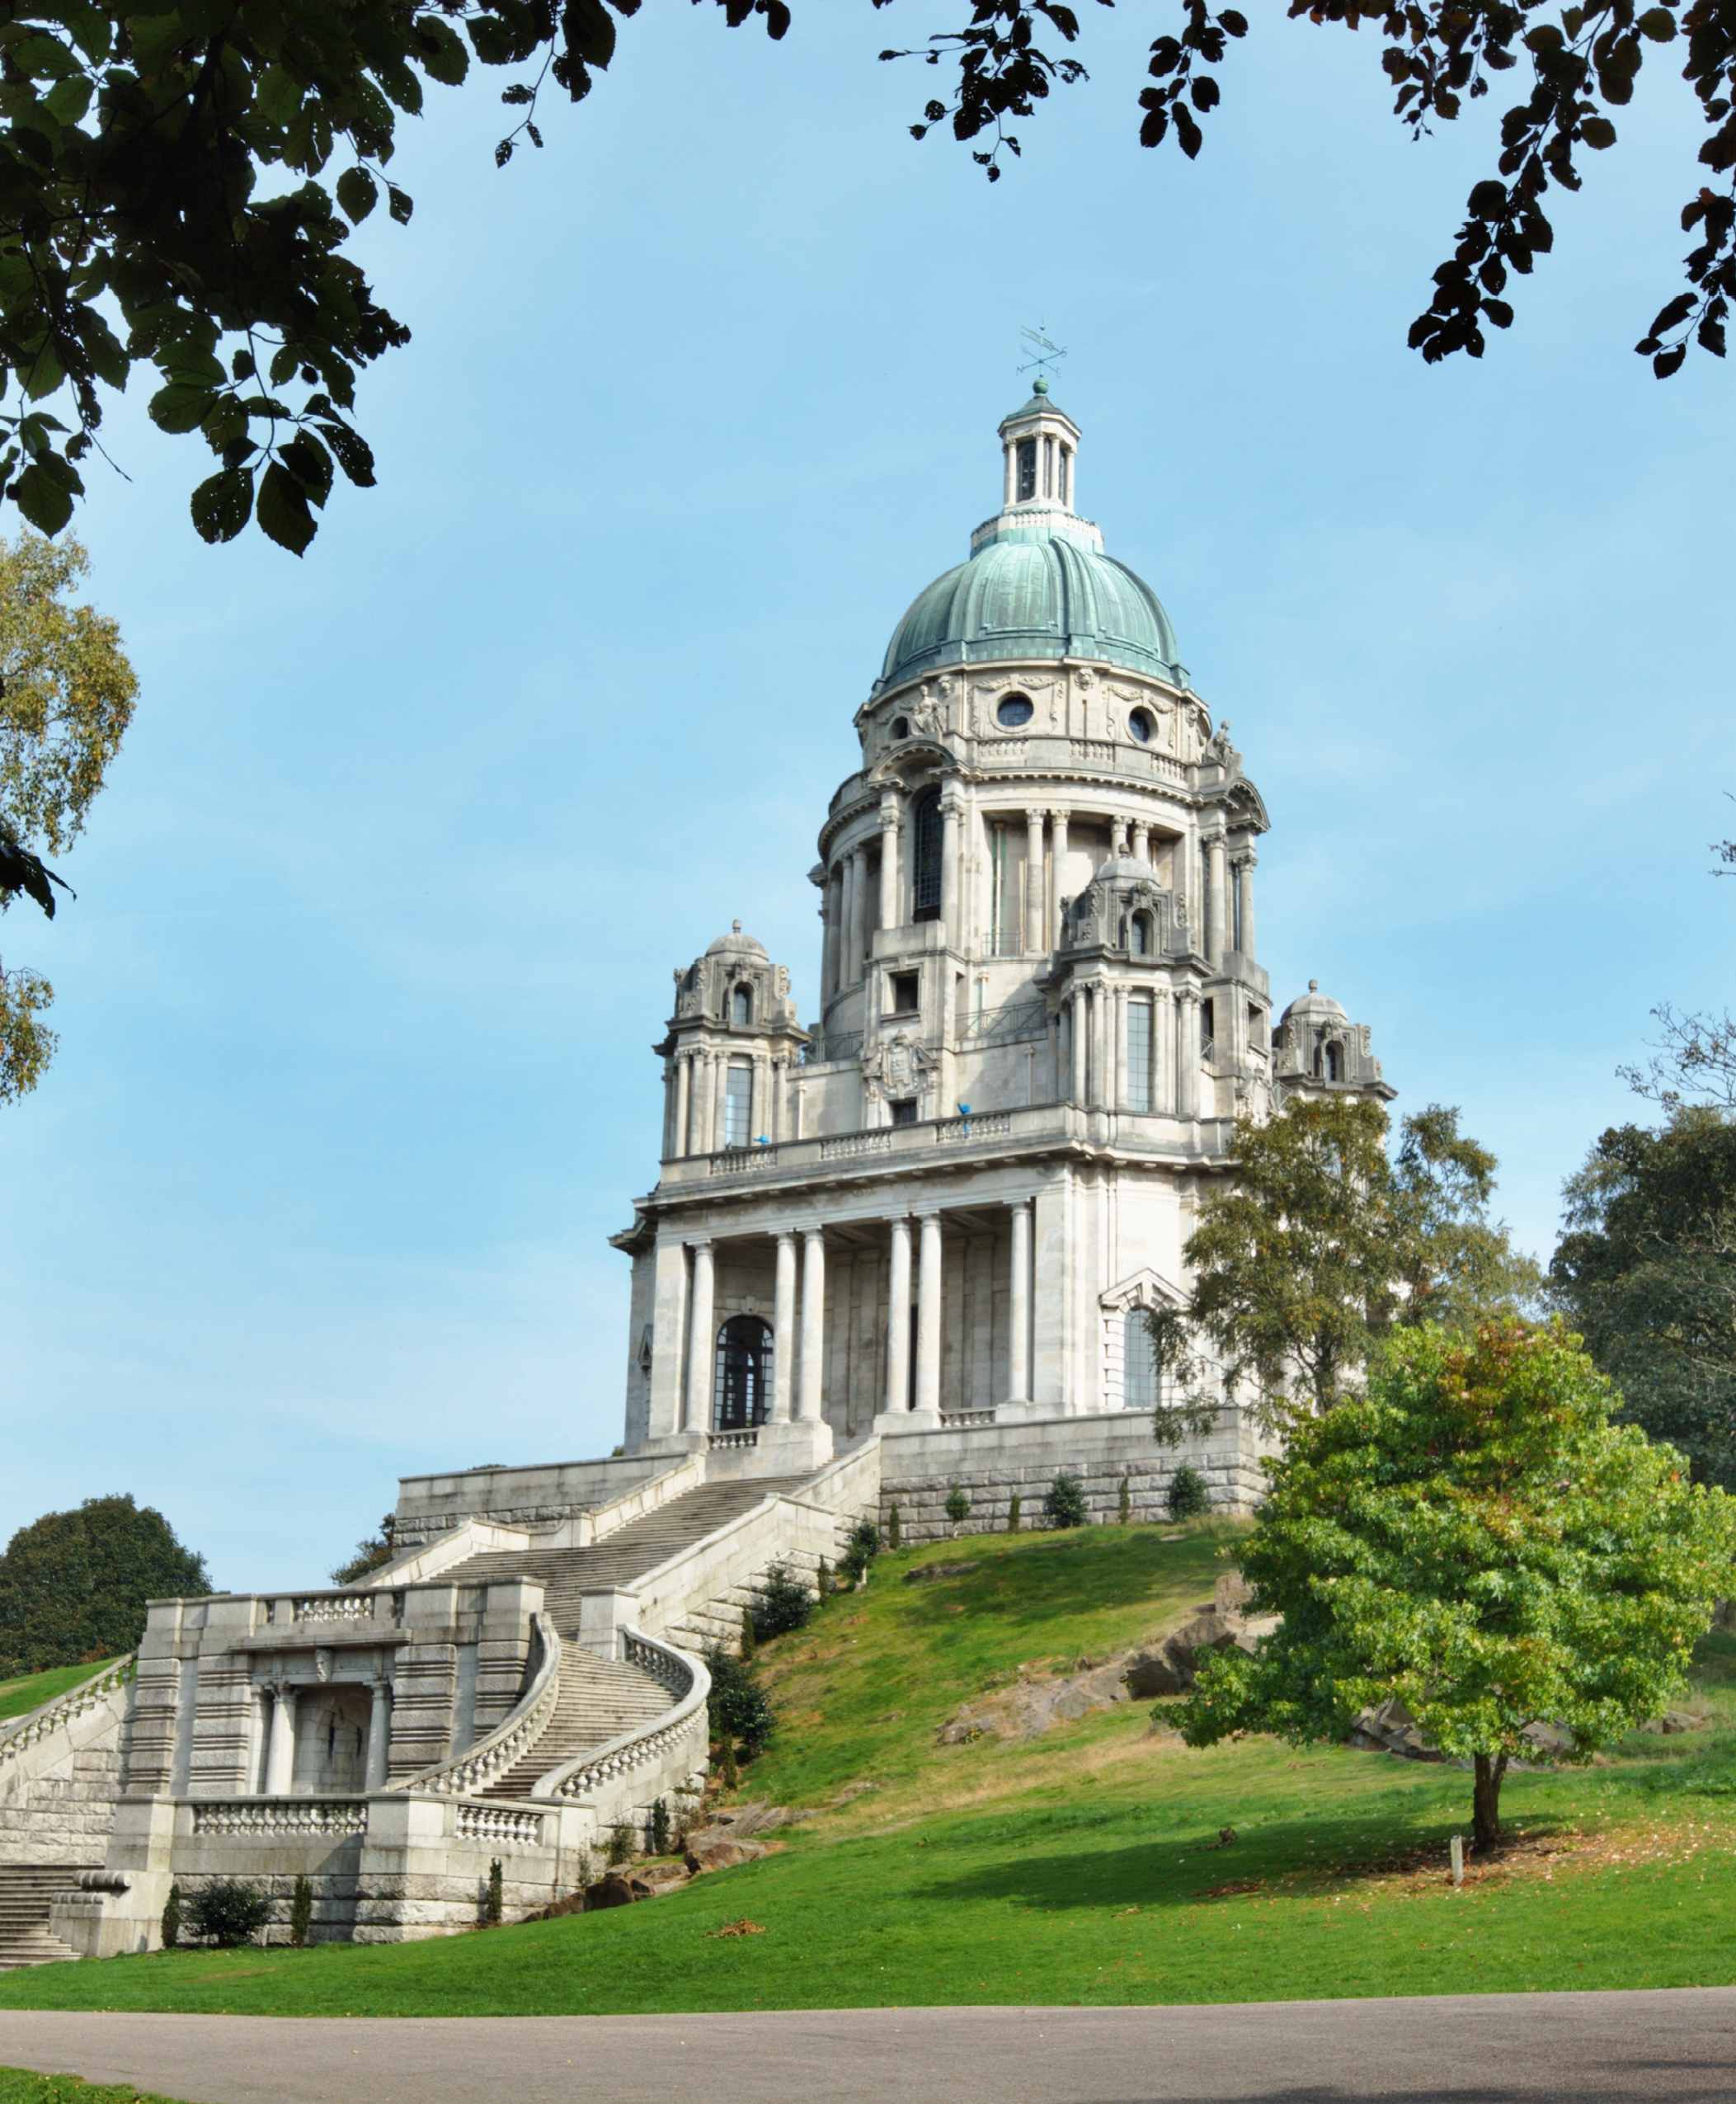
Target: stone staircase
25 1889
599 1699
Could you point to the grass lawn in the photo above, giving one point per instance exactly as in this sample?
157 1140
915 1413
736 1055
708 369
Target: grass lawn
1083 1867
17 1697
19 2086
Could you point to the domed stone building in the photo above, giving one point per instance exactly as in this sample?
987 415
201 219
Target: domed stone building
940 1210
907 1246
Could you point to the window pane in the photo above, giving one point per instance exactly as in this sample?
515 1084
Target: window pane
1139 1055
926 871
738 1107
1139 1363
1026 468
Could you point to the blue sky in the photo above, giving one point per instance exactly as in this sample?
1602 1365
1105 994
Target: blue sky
376 920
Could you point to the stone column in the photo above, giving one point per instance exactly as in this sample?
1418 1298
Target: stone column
1217 899
1187 1054
1118 837
1079 1017
720 1101
889 902
1036 885
829 919
1142 842
1057 856
1118 1094
858 917
280 1753
845 974
928 1321
949 833
684 1084
1102 1085
1163 1050
813 1323
784 1329
1018 1307
898 1319
701 1345
1244 893
380 1732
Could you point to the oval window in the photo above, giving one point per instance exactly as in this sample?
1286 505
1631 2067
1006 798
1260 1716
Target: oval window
1013 711
1140 724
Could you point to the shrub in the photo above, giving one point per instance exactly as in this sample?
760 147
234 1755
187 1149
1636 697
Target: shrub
958 1506
227 1912
301 1912
620 1845
1188 1495
785 1604
1064 1501
864 1546
1124 1504
726 1769
172 1919
738 1704
750 1633
659 1833
494 1904
1015 1514
895 1530
823 1579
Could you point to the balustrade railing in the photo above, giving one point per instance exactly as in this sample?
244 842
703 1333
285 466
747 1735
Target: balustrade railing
981 1125
500 1822
687 1721
282 1815
951 1420
844 1145
723 1442
37 1725
743 1161
473 1771
337 1607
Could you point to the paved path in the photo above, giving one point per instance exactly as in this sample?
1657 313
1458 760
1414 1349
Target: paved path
1678 2043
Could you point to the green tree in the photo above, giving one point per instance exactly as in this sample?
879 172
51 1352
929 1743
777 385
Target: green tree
1646 1271
66 698
1475 1537
1578 64
179 185
372 1553
1064 1501
1318 1245
1189 1495
73 1584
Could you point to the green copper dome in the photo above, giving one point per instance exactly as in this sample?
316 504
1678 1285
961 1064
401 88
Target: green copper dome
1045 596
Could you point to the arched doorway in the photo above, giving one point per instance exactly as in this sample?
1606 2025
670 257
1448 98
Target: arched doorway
744 1382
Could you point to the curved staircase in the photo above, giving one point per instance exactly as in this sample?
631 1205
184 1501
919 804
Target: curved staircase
599 1698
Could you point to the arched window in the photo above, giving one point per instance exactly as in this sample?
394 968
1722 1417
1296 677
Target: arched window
900 727
1139 1362
741 1007
1334 1065
744 1386
925 865
1027 457
1139 935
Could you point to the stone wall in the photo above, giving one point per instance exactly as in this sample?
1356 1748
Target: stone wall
991 1463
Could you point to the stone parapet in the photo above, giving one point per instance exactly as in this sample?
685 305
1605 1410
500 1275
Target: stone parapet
991 1463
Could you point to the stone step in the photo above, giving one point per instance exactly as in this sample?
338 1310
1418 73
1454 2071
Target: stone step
25 1889
599 1699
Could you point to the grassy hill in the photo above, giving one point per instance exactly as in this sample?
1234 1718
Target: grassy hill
1082 1866
19 1697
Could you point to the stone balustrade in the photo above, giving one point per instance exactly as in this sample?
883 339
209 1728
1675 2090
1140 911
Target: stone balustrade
293 1818
679 1736
41 1724
473 1770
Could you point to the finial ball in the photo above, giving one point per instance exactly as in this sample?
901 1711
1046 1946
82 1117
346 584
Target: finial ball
735 927
1313 985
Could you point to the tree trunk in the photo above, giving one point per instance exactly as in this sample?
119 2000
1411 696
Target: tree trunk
1485 1816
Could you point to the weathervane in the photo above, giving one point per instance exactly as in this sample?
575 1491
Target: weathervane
1047 354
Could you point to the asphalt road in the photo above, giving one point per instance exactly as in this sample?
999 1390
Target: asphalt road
1676 2043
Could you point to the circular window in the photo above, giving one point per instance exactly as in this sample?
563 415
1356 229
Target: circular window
1140 724
1013 711
900 727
